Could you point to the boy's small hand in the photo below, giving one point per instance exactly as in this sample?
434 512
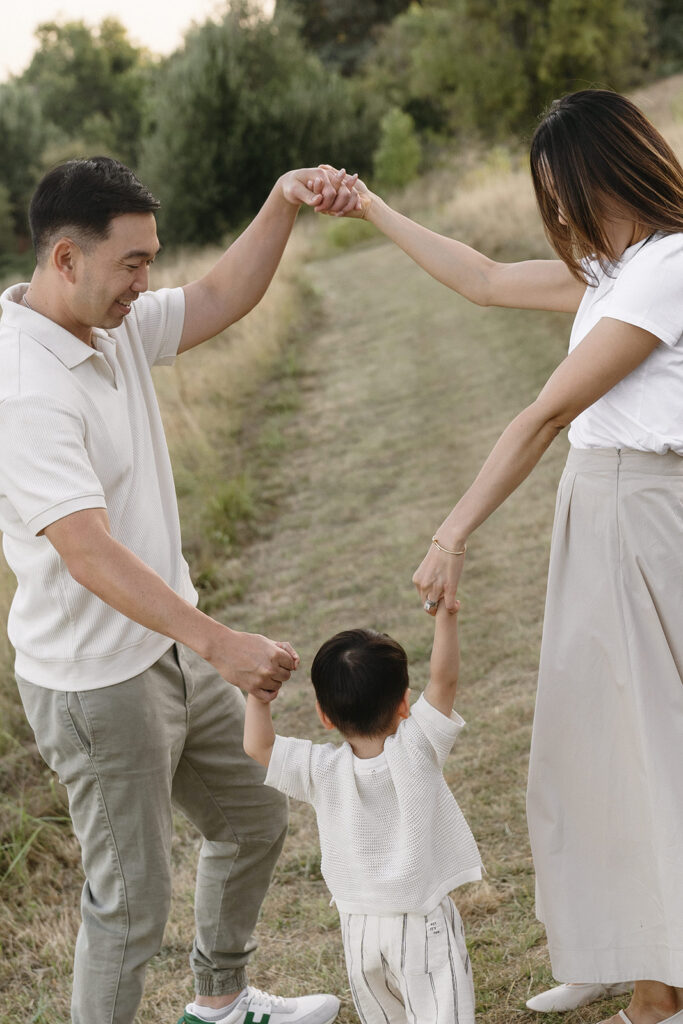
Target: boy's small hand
286 646
264 696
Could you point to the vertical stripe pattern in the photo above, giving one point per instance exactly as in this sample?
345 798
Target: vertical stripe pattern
409 968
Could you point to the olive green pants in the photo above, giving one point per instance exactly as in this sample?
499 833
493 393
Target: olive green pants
126 753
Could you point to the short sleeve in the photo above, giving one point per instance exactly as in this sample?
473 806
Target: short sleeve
289 769
440 730
159 319
648 292
45 471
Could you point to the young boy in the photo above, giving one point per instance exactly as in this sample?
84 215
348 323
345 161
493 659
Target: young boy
394 841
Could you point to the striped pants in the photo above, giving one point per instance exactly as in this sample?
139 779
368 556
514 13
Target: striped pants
409 968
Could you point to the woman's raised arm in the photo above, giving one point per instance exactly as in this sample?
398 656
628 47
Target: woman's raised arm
532 284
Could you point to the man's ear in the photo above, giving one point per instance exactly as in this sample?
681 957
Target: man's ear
65 254
323 717
403 709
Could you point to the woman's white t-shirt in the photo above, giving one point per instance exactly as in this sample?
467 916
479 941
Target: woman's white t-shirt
644 411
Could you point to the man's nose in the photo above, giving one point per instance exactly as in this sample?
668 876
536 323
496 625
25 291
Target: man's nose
140 282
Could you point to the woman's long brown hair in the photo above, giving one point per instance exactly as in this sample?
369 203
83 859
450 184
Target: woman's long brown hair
594 155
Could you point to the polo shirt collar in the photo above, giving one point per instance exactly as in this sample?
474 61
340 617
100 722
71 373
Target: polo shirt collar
64 345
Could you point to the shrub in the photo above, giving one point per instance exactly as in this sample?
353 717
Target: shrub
397 157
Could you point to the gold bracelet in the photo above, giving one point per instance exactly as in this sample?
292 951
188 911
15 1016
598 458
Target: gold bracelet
448 551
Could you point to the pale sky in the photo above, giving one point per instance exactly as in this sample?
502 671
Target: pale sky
157 24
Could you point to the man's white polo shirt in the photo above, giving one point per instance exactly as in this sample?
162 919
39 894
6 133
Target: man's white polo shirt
80 428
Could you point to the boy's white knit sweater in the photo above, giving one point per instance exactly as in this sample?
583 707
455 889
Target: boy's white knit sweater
392 837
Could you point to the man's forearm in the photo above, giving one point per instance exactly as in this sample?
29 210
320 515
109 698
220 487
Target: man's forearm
240 278
111 571
122 580
242 275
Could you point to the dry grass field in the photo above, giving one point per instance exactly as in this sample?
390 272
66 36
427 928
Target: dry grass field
316 447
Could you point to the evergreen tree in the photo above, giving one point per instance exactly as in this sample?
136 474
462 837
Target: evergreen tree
91 84
341 31
24 135
239 105
7 235
665 18
459 66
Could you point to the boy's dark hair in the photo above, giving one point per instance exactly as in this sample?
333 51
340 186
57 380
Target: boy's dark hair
81 197
359 677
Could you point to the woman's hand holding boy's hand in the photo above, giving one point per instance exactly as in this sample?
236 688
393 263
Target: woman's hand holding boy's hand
437 577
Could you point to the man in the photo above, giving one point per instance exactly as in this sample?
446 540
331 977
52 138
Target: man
131 690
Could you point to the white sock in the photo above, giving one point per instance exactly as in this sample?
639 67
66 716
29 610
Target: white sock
209 1015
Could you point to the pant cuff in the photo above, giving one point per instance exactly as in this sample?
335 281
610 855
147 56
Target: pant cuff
220 983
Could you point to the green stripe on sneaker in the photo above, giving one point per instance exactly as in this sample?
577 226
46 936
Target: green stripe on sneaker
189 1018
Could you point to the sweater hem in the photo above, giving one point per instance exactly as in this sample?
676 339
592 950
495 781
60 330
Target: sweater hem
382 909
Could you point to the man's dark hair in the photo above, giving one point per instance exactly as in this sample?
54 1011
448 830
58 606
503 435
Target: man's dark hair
359 678
81 197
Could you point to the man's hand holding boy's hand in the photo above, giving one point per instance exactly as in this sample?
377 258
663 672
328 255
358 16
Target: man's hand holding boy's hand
254 663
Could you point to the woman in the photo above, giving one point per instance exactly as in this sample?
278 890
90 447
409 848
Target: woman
605 799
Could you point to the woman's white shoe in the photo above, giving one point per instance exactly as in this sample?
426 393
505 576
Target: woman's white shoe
570 997
677 1018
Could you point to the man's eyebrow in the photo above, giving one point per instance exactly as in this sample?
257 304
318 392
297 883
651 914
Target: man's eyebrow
141 253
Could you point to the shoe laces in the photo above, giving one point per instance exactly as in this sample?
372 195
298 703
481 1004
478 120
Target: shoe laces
263 999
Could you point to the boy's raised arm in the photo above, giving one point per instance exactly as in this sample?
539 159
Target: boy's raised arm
259 734
444 666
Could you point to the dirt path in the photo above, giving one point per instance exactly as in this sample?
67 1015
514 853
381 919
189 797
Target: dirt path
404 390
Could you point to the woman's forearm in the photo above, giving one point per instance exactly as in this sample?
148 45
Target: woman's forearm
517 451
515 454
529 284
453 263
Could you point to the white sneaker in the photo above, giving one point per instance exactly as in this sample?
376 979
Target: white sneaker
256 1007
570 997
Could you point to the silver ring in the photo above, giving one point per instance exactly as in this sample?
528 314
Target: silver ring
428 605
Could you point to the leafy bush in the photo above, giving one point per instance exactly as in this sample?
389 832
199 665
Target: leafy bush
397 158
471 66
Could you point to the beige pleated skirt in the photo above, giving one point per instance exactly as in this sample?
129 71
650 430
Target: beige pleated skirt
605 798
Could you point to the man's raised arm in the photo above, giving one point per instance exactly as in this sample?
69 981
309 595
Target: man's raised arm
241 276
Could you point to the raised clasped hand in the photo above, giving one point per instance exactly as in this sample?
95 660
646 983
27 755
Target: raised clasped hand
351 183
323 188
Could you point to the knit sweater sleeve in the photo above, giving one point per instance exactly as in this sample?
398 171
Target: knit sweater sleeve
439 730
289 769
